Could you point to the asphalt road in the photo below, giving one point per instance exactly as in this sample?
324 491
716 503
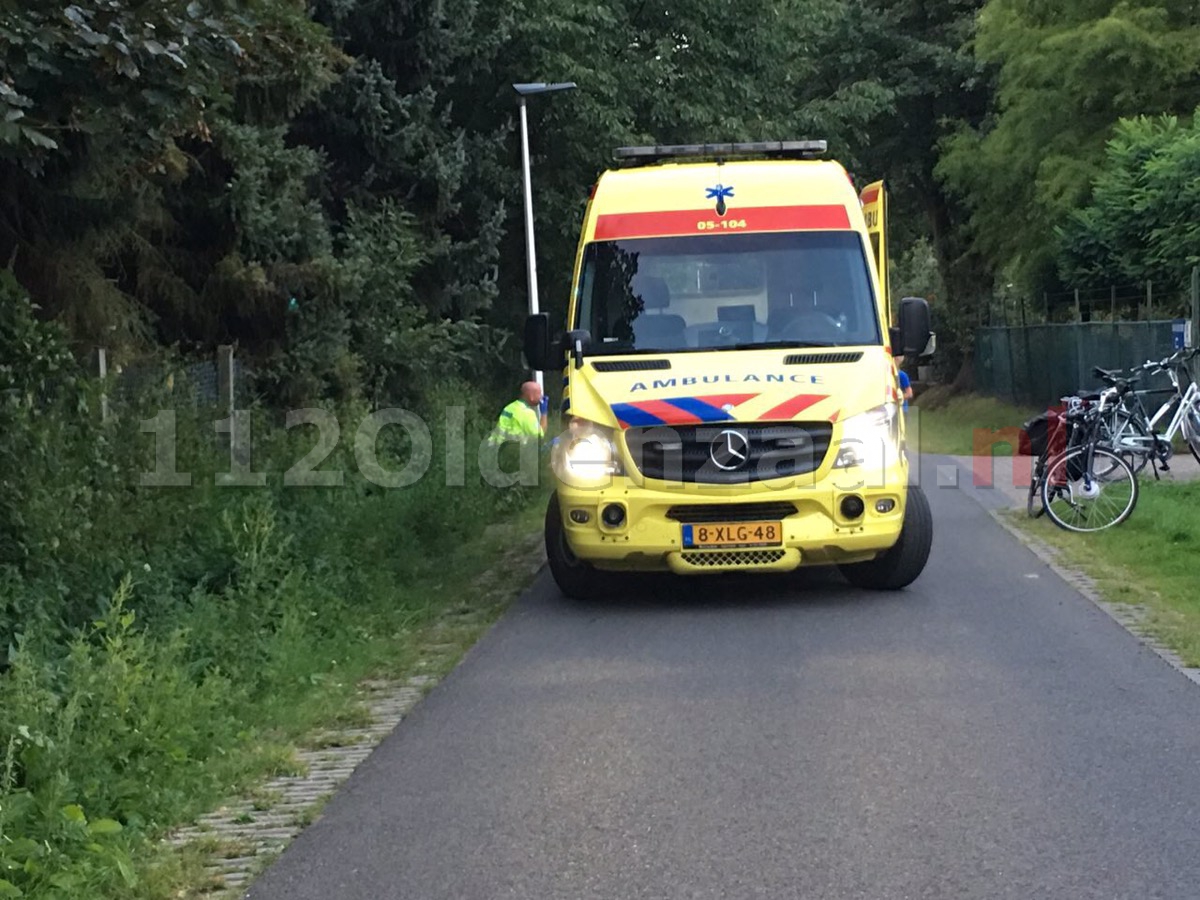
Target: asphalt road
987 733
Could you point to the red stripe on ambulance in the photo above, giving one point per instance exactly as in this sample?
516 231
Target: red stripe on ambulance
722 400
792 408
706 221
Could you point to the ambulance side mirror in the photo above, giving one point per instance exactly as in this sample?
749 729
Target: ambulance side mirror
912 337
538 352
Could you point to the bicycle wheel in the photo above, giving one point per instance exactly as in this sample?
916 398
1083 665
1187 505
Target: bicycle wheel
1191 429
1081 500
1127 435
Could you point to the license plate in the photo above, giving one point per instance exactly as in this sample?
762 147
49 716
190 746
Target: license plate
732 534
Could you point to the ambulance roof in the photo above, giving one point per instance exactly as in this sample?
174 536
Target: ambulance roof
742 184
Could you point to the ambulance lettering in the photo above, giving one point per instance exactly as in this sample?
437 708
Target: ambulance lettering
692 381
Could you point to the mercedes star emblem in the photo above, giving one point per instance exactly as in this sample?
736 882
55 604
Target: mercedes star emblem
729 450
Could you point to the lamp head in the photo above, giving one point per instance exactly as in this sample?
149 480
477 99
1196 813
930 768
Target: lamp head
541 87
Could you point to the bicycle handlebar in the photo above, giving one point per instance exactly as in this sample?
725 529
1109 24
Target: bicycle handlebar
1177 358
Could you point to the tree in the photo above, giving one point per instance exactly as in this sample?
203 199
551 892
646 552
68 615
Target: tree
1067 72
403 125
922 52
1140 224
109 115
683 71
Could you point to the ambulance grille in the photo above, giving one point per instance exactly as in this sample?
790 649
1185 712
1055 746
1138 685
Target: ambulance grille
699 513
816 359
683 453
703 559
631 365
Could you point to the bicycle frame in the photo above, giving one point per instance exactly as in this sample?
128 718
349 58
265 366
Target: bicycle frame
1182 400
1081 422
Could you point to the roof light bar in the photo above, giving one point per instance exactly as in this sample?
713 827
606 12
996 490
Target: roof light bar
787 149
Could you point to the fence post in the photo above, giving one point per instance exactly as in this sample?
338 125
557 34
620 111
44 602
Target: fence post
227 400
1196 300
102 359
225 385
1195 310
1149 300
1078 315
1081 366
1012 367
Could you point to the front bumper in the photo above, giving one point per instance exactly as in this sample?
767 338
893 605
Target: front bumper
650 536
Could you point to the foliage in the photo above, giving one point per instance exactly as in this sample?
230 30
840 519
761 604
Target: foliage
399 128
335 187
916 274
31 352
1140 224
258 173
922 51
108 109
153 632
1067 73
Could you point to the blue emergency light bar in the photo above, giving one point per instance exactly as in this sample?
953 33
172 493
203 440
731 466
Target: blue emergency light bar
782 149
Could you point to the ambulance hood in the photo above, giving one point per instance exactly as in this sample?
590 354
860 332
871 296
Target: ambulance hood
820 384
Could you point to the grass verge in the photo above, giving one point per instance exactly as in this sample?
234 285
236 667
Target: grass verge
948 424
1146 563
494 568
163 645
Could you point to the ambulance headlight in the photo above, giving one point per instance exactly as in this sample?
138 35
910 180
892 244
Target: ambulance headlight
587 454
870 439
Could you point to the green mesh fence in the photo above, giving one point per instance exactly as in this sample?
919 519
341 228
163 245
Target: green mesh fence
1038 364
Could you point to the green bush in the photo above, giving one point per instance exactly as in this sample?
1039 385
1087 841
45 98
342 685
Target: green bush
151 633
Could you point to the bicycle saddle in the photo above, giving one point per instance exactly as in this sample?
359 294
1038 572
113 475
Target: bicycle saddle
1114 377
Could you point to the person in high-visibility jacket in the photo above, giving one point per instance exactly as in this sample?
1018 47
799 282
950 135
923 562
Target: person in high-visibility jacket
524 418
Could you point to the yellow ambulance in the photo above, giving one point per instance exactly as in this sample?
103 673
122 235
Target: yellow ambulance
729 391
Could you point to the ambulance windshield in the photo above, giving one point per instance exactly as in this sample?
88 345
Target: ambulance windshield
727 291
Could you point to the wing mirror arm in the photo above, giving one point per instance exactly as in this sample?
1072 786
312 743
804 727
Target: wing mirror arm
578 342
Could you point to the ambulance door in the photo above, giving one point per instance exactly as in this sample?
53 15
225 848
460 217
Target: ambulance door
874 208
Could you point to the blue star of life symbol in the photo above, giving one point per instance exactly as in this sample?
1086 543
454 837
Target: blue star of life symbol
720 192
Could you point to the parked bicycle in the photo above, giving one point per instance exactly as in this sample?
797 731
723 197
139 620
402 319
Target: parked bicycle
1133 432
1080 483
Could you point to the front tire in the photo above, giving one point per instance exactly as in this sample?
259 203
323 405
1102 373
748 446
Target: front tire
1080 501
899 566
575 578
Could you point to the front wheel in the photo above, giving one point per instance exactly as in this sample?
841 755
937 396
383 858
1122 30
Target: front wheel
1082 498
900 565
575 578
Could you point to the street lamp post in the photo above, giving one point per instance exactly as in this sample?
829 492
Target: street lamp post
523 91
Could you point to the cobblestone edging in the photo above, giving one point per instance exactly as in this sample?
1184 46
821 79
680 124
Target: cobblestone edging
243 836
239 840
